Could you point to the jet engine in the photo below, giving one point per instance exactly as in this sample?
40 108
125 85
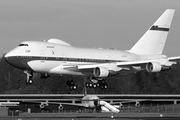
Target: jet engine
42 105
93 103
137 104
153 67
100 72
60 107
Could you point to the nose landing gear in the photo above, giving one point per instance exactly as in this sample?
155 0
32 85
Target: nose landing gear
28 78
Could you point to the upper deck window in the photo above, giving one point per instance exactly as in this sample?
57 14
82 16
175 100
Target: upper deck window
23 44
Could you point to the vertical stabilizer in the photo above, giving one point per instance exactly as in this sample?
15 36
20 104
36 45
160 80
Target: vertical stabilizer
153 41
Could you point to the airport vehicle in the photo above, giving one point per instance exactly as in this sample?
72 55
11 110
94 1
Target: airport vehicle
56 57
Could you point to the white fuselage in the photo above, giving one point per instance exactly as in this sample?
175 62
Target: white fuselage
45 57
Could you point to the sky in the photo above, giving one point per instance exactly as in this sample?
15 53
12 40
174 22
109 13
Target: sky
85 23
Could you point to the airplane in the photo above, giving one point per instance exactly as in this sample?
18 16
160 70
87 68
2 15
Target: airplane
90 102
41 59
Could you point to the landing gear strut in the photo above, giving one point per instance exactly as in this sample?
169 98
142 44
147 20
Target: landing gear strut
29 76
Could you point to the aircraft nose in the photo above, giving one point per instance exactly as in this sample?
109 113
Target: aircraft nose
13 60
8 59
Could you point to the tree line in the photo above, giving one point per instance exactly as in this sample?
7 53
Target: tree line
13 81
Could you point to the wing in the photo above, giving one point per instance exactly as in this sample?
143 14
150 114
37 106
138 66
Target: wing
176 59
116 66
90 66
120 104
130 101
55 103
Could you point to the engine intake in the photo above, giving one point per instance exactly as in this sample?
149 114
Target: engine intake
100 72
96 102
153 67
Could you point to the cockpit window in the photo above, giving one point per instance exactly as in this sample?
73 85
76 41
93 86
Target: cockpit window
23 44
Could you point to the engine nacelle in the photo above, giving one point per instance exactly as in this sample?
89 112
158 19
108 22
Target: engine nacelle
60 107
36 76
100 72
153 67
137 104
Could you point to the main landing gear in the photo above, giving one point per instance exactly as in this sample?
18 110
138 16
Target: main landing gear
70 83
94 83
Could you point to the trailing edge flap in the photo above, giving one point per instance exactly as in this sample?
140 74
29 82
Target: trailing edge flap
69 66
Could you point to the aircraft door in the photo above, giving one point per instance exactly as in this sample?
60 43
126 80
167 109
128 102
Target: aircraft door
64 58
43 62
42 55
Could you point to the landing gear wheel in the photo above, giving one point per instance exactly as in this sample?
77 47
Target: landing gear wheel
104 86
29 82
87 85
70 82
94 85
73 87
90 85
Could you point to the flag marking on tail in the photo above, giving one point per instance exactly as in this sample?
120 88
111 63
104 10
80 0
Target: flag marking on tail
159 28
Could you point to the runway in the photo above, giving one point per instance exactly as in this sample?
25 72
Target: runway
89 119
94 116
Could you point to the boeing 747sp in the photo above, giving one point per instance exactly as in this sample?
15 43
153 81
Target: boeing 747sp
56 57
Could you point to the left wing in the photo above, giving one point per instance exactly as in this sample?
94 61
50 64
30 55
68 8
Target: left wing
61 104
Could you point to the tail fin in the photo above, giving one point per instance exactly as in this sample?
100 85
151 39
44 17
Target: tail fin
153 41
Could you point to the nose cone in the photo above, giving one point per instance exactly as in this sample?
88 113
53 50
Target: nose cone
9 59
6 57
9 55
13 59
